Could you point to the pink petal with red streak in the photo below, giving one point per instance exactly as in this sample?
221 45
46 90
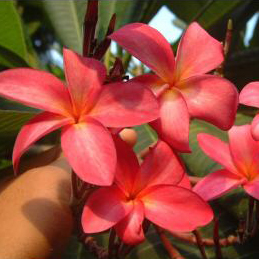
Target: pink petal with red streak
149 46
255 128
166 207
161 166
244 150
173 124
36 128
152 81
129 229
252 188
198 53
210 98
217 184
125 104
217 150
90 150
103 209
127 165
85 77
35 88
250 95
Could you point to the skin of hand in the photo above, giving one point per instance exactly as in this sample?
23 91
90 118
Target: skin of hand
35 213
36 219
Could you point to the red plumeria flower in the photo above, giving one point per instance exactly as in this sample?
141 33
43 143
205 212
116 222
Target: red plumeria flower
84 109
152 190
240 159
250 96
183 89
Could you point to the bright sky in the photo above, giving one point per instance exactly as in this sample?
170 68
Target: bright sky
163 22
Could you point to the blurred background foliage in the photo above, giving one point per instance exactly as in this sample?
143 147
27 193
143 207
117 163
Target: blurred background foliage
33 33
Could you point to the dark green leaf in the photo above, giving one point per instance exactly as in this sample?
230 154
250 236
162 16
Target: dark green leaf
10 124
206 12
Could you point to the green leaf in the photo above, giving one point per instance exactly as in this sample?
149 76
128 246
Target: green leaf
206 12
11 36
67 17
10 124
146 136
127 11
10 59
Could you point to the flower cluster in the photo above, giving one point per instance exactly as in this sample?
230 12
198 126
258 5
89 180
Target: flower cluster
88 109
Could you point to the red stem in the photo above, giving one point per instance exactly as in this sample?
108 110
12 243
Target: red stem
217 239
200 244
172 251
91 18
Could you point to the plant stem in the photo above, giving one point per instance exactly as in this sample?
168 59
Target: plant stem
190 238
249 219
111 246
172 251
256 224
200 244
216 239
227 42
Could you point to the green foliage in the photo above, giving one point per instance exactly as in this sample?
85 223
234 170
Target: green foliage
206 12
127 11
10 124
67 19
13 51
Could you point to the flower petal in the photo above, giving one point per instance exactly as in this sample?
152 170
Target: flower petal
149 46
152 81
255 127
252 188
129 229
185 182
198 53
244 150
35 88
217 150
103 209
127 165
85 77
166 207
210 98
90 150
125 104
173 124
250 95
36 128
161 166
217 184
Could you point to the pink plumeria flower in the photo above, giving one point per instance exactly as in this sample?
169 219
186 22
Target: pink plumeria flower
153 191
240 159
183 89
250 96
83 109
